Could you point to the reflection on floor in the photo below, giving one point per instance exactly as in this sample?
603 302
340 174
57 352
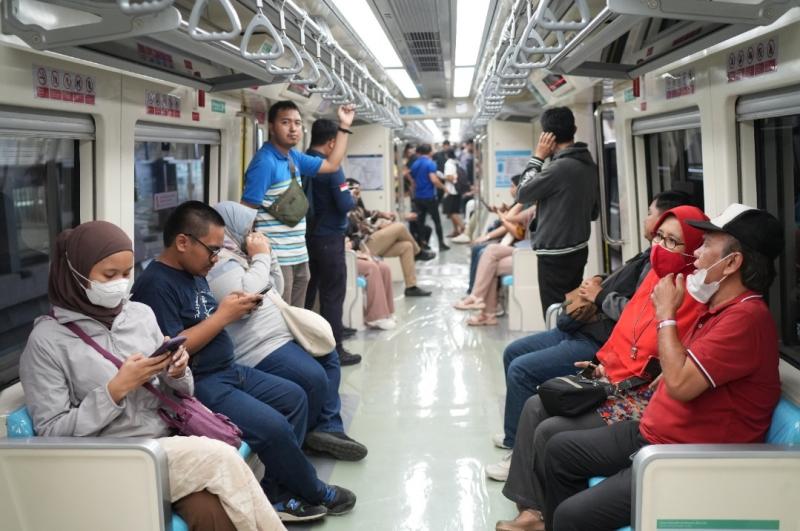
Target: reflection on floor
425 401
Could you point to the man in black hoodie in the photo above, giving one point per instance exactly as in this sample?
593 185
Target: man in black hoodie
565 189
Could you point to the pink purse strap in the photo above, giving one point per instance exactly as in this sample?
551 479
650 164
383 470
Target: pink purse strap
78 331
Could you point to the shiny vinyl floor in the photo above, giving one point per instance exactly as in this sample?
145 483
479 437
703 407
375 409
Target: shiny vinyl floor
425 400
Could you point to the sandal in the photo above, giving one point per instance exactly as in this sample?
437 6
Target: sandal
481 320
469 303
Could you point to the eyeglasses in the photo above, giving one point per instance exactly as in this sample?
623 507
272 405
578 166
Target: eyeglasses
212 252
669 241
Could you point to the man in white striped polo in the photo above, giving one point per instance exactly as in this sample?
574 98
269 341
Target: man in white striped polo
269 175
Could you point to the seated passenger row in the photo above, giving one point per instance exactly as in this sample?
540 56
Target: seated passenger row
278 394
692 358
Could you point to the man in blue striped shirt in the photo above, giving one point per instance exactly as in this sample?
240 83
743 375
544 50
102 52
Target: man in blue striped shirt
269 175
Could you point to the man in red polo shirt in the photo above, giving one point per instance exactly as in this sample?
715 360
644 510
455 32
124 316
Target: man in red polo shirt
719 381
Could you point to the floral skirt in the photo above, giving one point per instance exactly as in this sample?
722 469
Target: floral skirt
626 405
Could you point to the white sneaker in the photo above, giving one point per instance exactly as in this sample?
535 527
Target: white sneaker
499 471
498 439
461 238
384 324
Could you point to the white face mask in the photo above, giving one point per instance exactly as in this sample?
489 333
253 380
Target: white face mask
106 294
696 283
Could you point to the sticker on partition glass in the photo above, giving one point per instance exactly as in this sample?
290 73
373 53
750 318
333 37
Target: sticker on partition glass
753 60
62 85
719 525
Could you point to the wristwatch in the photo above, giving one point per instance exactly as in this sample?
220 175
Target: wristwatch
343 130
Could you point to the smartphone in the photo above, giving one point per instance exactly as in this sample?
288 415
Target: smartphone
484 203
171 345
588 371
263 292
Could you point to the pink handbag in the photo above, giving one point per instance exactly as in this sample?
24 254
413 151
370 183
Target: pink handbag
186 414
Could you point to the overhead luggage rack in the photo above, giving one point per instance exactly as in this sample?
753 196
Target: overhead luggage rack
250 43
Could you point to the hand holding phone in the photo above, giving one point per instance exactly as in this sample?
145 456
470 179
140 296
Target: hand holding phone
170 345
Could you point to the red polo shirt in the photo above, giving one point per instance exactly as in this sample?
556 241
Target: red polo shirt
735 346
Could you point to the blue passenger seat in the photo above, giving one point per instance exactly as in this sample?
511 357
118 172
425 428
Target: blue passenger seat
19 425
784 430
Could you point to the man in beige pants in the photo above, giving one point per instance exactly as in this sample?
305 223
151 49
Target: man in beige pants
390 240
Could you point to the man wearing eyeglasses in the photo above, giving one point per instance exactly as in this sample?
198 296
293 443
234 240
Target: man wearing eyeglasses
271 411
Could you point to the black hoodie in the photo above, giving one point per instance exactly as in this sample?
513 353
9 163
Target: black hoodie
566 192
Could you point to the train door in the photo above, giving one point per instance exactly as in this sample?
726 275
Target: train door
46 182
769 126
609 187
172 165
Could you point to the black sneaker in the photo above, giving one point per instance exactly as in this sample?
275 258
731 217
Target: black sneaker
424 255
339 500
416 292
443 247
348 358
336 444
348 332
296 510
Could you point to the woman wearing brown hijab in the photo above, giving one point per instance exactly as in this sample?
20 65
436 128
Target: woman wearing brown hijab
72 390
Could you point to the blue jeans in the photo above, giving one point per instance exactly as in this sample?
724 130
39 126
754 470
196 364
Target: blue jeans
272 413
477 251
319 378
531 360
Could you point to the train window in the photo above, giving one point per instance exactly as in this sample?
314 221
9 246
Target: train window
775 120
778 188
673 153
171 167
39 197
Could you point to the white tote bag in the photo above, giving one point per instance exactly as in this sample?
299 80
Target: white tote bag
310 330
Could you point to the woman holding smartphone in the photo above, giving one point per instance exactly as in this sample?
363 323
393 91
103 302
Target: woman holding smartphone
73 391
263 340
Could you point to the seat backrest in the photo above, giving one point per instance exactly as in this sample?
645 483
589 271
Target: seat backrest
785 426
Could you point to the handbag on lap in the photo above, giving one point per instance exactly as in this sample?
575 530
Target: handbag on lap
185 414
573 395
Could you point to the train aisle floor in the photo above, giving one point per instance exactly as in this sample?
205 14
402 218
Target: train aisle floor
426 399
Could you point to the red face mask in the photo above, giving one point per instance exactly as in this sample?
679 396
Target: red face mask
665 261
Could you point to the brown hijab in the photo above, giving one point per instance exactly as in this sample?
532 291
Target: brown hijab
85 245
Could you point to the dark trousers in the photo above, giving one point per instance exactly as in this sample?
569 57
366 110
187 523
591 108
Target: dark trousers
272 412
559 274
319 378
575 456
423 207
329 278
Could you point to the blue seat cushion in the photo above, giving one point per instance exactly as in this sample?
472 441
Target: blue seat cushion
361 282
507 280
20 424
785 426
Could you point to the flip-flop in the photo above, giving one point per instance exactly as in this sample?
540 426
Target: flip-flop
477 305
477 321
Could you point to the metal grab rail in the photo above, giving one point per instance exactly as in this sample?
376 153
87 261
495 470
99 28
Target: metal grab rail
146 6
604 222
200 35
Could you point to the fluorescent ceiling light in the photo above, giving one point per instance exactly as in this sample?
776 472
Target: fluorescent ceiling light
403 81
361 18
434 129
471 17
462 81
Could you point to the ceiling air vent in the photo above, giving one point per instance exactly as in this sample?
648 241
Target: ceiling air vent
426 49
